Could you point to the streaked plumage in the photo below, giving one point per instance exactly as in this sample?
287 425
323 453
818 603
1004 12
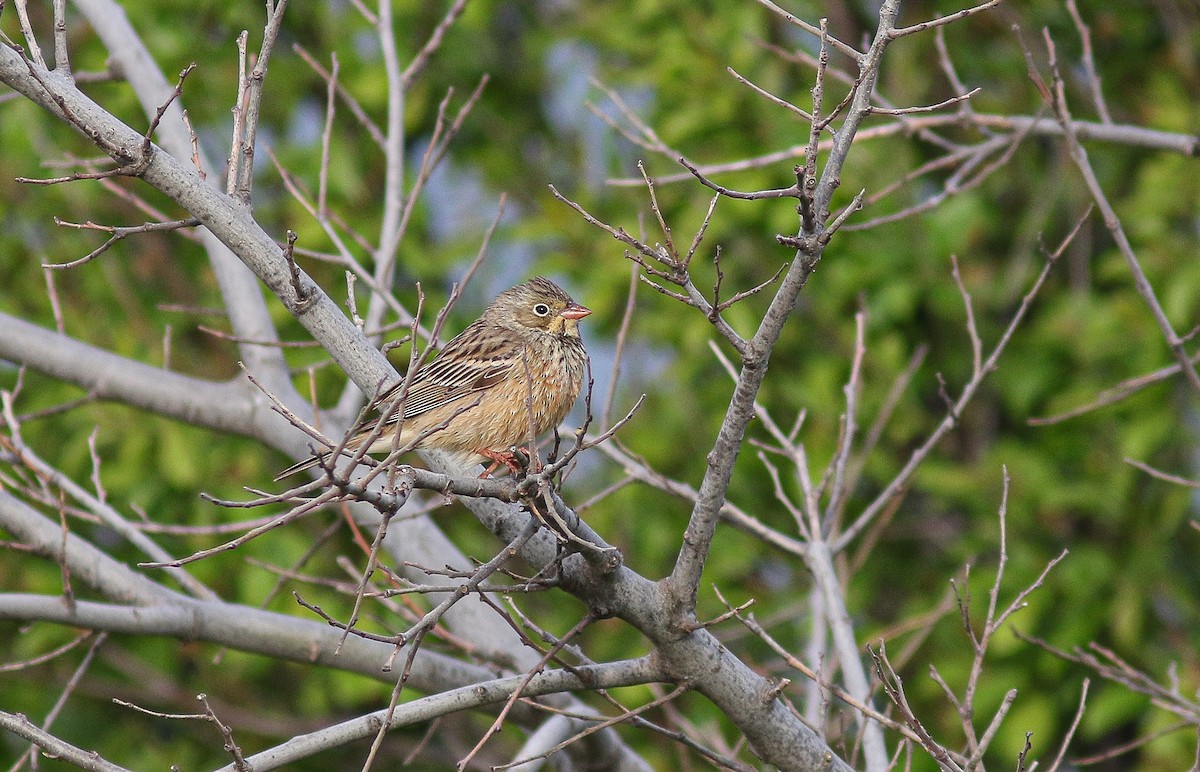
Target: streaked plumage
525 350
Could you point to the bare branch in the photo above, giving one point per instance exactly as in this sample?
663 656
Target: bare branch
246 140
118 232
22 727
1062 749
431 45
944 20
1031 125
791 191
955 409
894 688
1091 76
1057 100
768 95
1115 394
927 108
849 51
347 98
486 692
1161 475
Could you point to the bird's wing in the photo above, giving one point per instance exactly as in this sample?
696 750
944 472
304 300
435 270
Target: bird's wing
474 361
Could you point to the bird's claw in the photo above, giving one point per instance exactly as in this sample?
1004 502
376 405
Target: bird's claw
516 458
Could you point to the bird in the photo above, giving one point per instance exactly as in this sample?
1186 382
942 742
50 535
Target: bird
508 377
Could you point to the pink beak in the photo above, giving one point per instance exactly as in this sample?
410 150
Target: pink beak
574 311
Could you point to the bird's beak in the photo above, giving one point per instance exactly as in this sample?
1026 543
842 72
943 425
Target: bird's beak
574 311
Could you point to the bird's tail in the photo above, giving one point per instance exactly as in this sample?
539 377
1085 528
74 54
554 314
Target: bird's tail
307 463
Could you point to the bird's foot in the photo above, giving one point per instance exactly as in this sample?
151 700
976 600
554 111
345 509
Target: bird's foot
515 458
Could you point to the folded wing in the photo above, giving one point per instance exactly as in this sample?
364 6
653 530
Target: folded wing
469 364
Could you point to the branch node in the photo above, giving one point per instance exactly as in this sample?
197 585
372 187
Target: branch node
305 296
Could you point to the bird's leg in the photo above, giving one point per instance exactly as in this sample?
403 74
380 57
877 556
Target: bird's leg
491 468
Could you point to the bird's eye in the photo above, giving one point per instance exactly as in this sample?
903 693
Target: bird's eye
541 309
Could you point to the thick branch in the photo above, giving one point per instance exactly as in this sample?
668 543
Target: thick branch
244 303
154 609
490 692
222 215
53 746
814 232
685 578
227 407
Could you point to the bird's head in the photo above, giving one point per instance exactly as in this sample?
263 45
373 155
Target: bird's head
538 305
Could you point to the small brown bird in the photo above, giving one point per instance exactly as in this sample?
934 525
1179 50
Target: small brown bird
523 352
